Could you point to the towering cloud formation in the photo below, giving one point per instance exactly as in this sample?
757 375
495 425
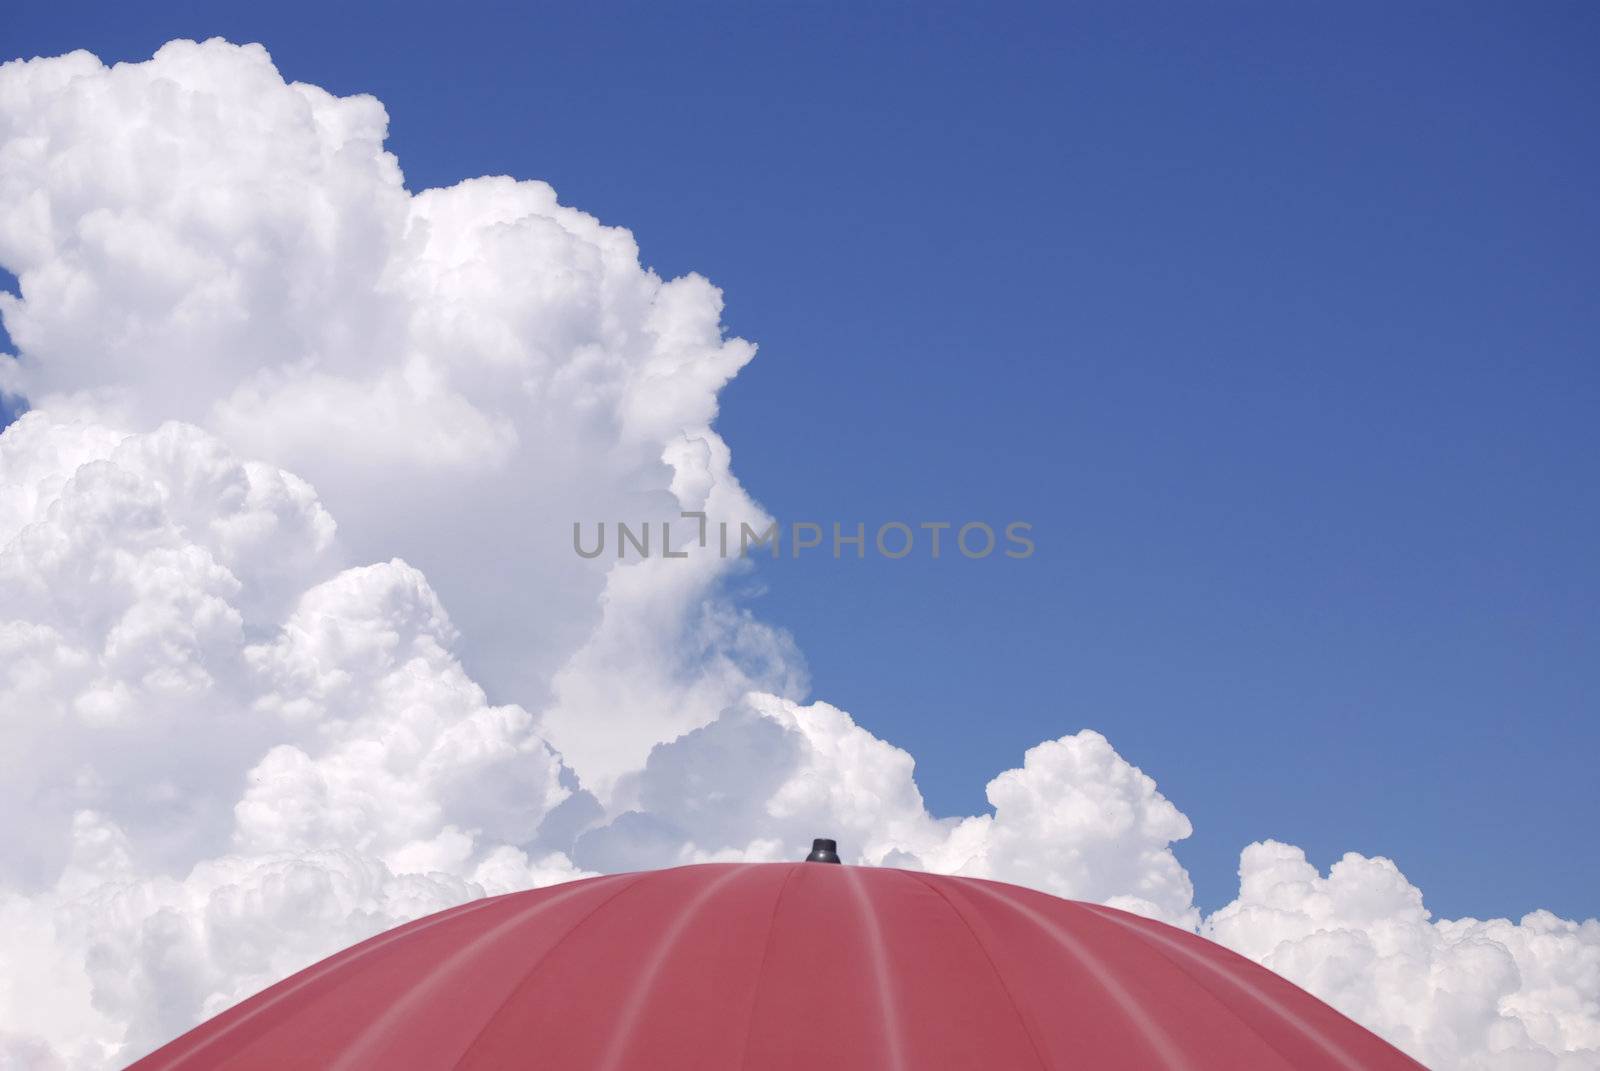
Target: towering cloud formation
476 367
293 645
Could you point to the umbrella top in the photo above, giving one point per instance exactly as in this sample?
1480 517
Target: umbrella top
782 965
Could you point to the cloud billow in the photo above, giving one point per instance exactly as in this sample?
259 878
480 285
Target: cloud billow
293 645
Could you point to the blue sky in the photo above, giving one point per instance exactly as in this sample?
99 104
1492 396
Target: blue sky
1279 326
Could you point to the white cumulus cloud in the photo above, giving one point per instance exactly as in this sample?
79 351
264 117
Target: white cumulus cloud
1465 994
478 366
1075 818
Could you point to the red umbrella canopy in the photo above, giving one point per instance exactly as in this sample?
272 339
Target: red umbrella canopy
782 965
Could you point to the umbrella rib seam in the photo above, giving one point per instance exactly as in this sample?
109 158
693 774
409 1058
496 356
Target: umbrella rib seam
645 982
1224 1005
1149 1030
893 1032
324 969
761 969
532 970
1011 999
1159 945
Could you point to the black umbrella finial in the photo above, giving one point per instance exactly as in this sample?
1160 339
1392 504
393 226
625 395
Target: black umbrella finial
823 850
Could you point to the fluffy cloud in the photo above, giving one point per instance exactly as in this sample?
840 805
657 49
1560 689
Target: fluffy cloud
481 366
244 735
1075 818
112 962
1456 994
223 782
124 628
